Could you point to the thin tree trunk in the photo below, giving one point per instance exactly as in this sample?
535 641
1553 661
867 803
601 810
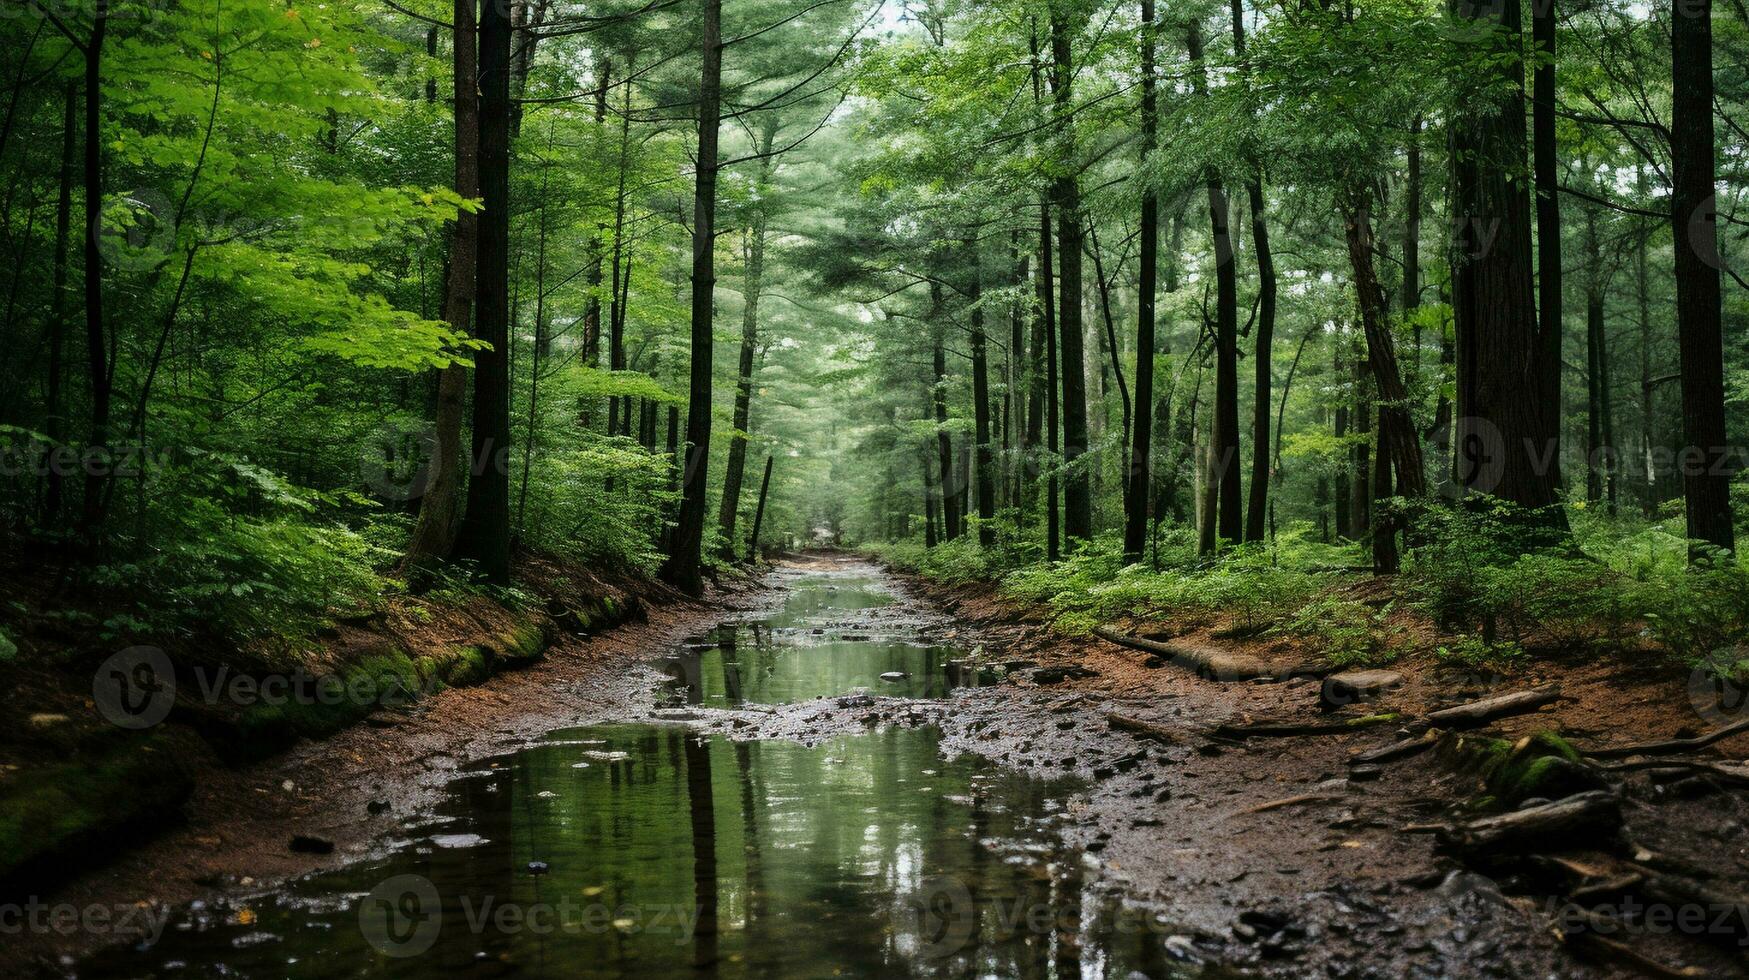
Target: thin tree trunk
1707 458
1257 508
1224 448
950 506
95 342
983 460
759 512
1397 427
1142 433
682 568
592 304
753 286
1077 485
54 426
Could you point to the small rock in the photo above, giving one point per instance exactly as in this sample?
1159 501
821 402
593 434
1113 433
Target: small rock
307 844
537 867
1355 686
375 807
894 675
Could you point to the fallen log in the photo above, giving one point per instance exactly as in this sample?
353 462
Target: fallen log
1397 750
1273 730
1672 746
1142 729
1219 665
1581 818
1289 801
1736 777
1478 713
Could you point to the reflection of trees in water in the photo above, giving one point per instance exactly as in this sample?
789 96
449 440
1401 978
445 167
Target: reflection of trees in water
702 810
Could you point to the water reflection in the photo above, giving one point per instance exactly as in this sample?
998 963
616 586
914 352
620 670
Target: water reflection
664 853
828 638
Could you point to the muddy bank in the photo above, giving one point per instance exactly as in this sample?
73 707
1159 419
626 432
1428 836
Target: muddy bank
1270 855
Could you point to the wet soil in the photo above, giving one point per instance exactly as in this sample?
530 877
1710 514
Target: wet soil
1178 824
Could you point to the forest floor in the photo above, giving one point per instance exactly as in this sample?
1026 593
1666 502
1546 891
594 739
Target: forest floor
1270 855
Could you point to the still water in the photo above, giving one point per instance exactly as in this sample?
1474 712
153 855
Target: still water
830 637
644 851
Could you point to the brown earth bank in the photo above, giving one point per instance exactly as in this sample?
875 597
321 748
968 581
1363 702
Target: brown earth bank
1273 853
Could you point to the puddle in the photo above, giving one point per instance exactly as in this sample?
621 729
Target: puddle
867 855
829 638
649 851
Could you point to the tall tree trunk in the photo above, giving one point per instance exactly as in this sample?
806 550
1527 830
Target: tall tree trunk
434 533
1643 294
1396 426
485 531
1257 509
1344 500
1077 485
1053 425
619 285
1504 438
54 426
1135 536
97 349
1044 318
1360 500
592 304
1412 231
754 285
1548 224
950 498
682 567
1114 359
1700 338
1224 445
930 539
983 459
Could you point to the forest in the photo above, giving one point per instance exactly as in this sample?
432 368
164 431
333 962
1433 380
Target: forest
413 340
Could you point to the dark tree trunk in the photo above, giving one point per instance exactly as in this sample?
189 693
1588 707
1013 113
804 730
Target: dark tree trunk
1706 460
1504 439
619 285
983 460
1135 536
1412 231
759 512
682 567
1643 294
592 304
97 349
1385 559
1344 501
1548 223
743 418
1224 462
54 426
950 498
1053 426
930 538
1077 484
1114 360
1396 426
1360 500
485 532
1257 509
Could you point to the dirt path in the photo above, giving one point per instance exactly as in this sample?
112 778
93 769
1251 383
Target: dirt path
1323 886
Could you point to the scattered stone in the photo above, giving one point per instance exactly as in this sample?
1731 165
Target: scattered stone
307 844
1355 686
537 867
894 675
